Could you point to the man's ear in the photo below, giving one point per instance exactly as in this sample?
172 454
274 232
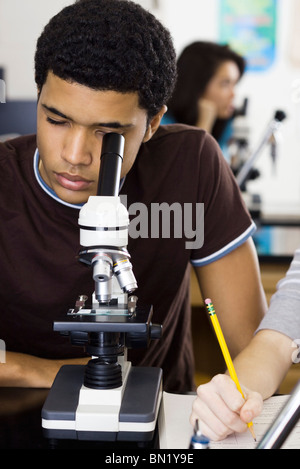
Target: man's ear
154 123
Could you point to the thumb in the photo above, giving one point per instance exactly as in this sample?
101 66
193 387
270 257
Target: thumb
252 407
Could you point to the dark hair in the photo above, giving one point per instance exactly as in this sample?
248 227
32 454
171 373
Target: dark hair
196 65
109 45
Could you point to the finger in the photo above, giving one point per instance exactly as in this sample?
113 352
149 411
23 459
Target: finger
209 424
228 392
218 417
225 401
252 407
220 409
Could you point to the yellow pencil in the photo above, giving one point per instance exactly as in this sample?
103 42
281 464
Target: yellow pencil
225 351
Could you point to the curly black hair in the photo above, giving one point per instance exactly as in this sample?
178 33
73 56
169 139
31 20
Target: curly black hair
109 45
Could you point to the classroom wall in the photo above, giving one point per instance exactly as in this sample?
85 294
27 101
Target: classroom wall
276 88
21 22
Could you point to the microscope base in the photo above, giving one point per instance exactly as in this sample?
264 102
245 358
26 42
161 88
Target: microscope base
137 415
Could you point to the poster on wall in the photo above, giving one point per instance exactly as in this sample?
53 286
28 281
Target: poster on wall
249 27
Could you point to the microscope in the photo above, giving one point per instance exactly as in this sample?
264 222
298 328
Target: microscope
108 399
243 160
270 136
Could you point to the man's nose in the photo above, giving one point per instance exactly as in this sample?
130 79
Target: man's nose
78 148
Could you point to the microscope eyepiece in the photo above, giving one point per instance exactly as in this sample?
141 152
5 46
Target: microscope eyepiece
110 164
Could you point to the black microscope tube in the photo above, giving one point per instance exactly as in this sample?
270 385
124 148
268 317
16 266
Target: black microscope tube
110 164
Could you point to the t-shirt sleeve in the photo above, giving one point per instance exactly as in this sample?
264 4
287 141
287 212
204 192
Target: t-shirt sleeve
283 314
226 220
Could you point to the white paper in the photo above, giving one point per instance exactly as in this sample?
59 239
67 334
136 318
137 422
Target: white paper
175 431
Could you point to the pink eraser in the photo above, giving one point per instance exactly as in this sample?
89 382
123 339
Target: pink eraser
207 301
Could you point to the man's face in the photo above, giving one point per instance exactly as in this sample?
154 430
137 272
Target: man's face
71 122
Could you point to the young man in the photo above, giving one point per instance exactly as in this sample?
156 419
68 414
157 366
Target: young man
109 66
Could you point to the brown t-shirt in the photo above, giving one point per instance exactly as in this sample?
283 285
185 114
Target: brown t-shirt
40 276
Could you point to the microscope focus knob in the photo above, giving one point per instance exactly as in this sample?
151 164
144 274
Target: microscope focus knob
155 331
280 115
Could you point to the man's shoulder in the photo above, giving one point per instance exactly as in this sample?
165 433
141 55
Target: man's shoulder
180 142
188 136
175 131
19 146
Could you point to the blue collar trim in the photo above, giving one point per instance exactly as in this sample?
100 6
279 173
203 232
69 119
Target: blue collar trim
48 189
45 187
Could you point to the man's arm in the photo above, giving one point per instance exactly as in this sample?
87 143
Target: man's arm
261 367
21 370
233 283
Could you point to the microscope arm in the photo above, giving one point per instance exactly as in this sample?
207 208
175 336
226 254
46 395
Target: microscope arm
271 129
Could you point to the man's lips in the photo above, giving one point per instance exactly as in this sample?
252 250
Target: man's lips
72 182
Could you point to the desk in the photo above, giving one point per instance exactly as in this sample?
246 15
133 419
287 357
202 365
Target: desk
20 418
21 428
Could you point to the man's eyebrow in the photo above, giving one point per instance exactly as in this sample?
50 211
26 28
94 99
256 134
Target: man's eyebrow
111 125
55 111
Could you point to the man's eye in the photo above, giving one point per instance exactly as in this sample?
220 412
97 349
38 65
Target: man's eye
54 122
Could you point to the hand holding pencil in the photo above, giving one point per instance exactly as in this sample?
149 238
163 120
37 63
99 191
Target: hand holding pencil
225 351
220 406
